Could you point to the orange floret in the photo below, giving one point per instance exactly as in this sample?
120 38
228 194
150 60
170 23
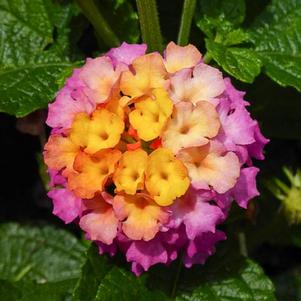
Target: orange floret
92 172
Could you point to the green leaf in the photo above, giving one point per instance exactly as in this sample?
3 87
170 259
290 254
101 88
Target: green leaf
241 280
219 15
242 63
107 279
30 86
41 254
220 279
34 50
275 40
230 10
220 20
93 271
52 291
8 291
29 291
276 35
122 285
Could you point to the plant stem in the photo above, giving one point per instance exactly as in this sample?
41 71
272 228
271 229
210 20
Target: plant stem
102 28
149 24
177 277
242 244
186 19
207 58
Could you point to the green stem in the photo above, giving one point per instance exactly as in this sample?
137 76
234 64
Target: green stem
242 244
186 19
102 28
177 277
207 58
149 24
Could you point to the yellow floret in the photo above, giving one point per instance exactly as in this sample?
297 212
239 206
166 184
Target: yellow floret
166 177
79 129
129 175
100 131
150 115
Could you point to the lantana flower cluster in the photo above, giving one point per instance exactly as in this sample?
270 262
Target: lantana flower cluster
147 153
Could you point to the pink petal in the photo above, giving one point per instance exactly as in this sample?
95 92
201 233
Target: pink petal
65 204
245 188
237 125
56 179
147 254
202 247
197 214
62 111
256 148
99 77
235 96
126 53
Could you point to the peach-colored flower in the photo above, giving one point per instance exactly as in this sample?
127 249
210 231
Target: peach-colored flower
201 83
211 166
190 126
141 217
149 73
179 57
100 222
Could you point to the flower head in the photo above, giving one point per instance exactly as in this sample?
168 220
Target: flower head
148 152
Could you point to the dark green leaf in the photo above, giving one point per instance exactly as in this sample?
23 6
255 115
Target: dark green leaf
32 85
53 291
30 291
122 285
34 50
235 37
230 10
241 280
219 15
220 279
277 39
93 271
105 279
43 254
220 20
8 291
241 63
